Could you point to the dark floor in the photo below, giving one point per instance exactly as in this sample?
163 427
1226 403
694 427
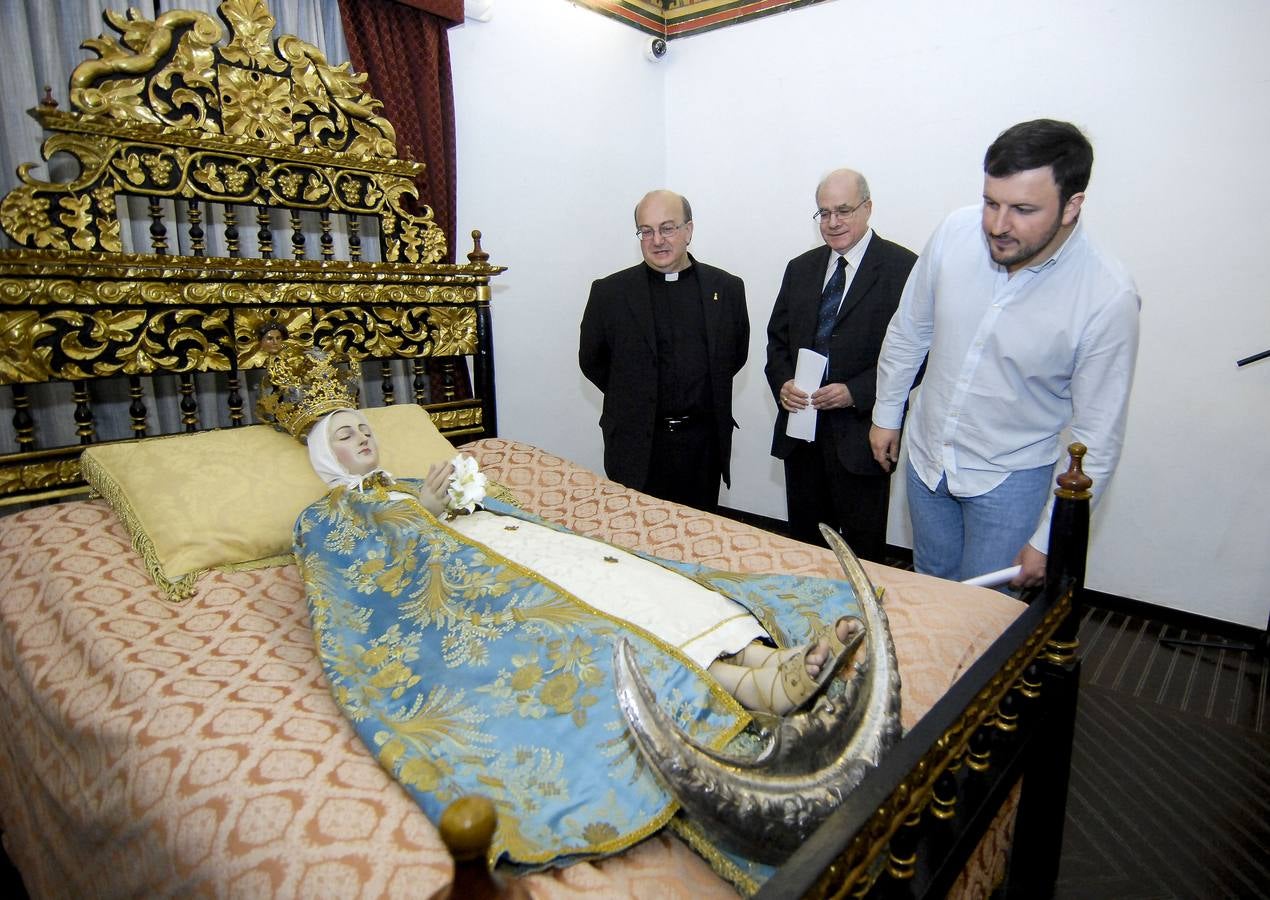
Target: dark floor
1170 779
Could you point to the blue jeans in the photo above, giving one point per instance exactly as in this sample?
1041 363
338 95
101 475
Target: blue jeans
961 537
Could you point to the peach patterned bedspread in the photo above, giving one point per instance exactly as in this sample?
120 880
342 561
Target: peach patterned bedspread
148 748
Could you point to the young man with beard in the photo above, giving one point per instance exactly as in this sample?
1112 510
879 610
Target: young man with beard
1030 328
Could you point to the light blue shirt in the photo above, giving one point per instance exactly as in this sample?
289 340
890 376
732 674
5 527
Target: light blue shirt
1012 361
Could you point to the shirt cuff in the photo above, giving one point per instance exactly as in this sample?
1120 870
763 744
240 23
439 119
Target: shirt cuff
1040 541
888 415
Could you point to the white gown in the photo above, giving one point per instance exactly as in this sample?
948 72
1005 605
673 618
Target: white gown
700 622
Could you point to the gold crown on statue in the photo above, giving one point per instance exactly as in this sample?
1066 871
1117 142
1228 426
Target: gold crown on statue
301 385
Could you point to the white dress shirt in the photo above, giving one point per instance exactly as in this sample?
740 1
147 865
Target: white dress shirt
1013 360
853 255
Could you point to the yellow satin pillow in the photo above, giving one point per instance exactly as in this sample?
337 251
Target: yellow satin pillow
228 499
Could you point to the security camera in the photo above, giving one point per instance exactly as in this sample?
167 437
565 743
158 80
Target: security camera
655 49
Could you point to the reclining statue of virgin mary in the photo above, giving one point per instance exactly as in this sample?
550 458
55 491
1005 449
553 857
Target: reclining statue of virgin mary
475 652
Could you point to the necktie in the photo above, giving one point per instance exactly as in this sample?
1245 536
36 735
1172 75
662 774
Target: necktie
830 300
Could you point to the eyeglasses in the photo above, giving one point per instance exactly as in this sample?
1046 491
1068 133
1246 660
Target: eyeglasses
666 230
841 212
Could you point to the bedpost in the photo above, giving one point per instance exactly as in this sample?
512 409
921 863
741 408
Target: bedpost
1069 527
483 359
1038 830
467 828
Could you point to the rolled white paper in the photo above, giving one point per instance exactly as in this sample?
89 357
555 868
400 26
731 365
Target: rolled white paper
992 579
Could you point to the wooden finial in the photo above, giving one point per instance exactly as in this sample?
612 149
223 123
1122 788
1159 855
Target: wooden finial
467 829
1074 484
48 102
477 256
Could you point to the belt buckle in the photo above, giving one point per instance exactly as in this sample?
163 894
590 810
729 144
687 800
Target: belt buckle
674 423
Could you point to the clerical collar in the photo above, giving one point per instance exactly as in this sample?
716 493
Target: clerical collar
670 276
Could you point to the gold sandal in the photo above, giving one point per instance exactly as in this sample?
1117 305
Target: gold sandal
801 688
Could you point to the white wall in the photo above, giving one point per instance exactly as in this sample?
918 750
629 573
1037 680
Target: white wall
560 130
1175 97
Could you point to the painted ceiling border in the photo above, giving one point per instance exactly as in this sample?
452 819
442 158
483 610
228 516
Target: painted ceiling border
688 16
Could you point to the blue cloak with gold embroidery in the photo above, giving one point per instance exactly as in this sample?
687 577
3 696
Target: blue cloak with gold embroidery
466 673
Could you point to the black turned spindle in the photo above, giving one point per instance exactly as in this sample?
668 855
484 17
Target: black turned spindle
158 231
385 381
943 804
297 235
901 860
137 408
326 241
85 428
231 231
449 378
419 383
1030 682
1007 719
189 403
979 756
354 238
197 244
23 423
234 399
264 236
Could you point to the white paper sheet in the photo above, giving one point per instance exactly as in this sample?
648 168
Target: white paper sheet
808 372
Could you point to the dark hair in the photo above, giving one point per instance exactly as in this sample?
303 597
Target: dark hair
1039 143
271 326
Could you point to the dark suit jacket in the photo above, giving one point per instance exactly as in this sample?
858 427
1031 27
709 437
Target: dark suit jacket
853 349
618 354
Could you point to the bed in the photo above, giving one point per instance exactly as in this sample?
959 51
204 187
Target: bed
167 727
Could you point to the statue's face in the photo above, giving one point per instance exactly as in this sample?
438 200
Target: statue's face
353 443
271 342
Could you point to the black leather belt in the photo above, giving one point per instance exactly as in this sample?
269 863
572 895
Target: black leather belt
679 423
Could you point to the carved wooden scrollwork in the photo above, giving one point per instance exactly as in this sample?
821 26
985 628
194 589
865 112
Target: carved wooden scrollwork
184 106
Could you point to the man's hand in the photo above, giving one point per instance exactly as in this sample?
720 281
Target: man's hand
793 398
832 396
886 446
1032 563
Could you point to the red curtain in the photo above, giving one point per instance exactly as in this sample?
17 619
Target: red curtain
402 47
446 9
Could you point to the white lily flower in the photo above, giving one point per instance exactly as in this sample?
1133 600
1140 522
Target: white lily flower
467 486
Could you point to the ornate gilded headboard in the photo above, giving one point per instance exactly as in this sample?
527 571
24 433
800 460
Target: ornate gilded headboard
256 183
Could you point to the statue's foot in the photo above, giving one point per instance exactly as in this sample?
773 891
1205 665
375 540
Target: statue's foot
757 655
821 660
798 676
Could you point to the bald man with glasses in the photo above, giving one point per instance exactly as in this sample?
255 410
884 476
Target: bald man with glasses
836 300
663 341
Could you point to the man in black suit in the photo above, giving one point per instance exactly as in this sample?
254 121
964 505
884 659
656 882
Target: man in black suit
841 310
663 340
